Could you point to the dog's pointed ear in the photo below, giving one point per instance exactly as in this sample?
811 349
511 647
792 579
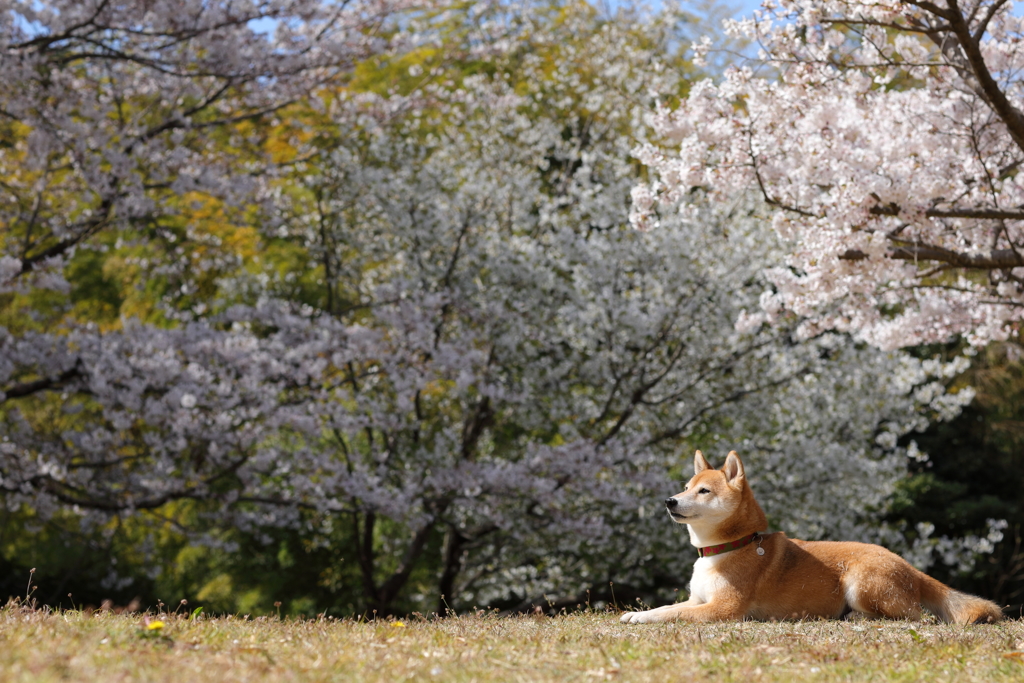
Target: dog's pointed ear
733 468
699 463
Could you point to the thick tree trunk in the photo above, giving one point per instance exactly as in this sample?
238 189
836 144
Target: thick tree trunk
454 558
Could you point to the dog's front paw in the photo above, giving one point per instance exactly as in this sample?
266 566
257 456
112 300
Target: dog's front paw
648 617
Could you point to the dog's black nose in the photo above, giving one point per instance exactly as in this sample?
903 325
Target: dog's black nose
671 502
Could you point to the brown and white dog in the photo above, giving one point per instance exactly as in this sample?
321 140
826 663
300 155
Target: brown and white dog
743 574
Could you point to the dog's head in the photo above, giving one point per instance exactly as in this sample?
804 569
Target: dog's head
711 496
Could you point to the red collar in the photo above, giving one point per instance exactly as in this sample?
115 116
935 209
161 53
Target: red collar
726 547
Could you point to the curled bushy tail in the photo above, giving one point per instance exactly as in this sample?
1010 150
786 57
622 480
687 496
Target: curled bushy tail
956 607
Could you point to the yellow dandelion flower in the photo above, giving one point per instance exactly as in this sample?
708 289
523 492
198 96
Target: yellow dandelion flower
398 624
154 625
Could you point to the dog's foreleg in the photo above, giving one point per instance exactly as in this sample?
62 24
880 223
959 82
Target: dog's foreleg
645 617
686 611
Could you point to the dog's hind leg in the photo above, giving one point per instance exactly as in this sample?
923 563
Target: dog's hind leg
888 588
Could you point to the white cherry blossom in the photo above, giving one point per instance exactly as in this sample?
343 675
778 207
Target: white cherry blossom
886 138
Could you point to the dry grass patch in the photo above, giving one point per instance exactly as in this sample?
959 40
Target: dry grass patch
41 646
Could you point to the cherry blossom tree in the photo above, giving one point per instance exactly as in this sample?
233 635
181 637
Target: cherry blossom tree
886 137
478 366
113 111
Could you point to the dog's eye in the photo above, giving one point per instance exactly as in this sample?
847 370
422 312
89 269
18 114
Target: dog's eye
704 491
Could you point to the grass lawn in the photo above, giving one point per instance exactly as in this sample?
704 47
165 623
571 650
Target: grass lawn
101 646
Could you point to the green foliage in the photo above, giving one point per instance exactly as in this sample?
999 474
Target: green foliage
143 561
975 472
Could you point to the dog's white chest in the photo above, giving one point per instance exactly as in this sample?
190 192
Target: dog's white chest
706 580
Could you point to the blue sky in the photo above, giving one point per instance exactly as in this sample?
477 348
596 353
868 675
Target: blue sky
741 7
744 7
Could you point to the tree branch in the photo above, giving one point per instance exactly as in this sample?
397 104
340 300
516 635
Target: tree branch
997 259
29 388
976 214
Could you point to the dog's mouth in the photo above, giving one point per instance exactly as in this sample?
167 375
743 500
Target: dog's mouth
678 517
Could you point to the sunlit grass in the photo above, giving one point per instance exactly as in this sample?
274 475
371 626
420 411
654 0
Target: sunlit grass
102 646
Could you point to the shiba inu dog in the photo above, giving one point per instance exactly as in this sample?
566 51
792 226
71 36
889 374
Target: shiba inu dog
743 574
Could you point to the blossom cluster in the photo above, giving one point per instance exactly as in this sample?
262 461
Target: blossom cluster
886 138
112 109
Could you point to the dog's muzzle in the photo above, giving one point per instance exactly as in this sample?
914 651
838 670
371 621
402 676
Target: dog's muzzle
672 506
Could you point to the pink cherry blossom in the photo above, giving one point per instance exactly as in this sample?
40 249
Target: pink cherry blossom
885 140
